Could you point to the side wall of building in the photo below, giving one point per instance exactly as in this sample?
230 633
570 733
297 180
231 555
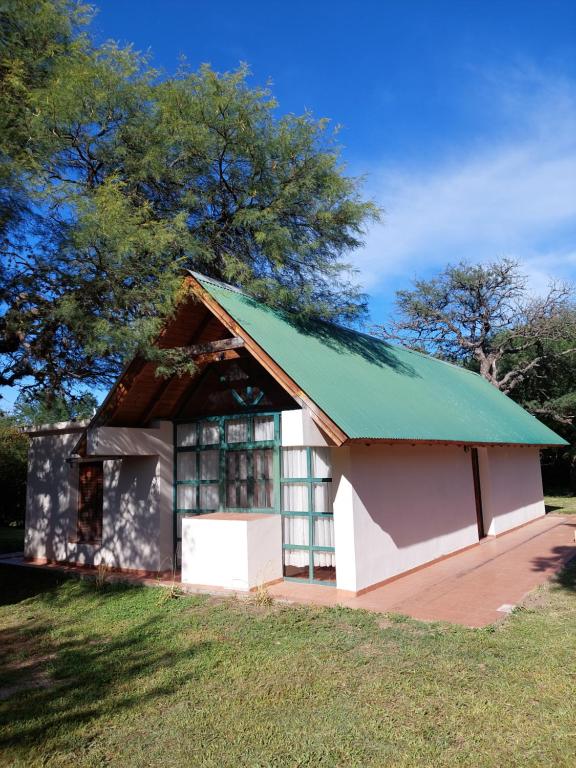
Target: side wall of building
511 482
411 504
397 507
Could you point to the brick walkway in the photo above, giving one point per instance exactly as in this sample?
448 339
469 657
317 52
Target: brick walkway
474 588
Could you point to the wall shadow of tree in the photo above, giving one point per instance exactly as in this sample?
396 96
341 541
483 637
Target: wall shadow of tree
78 680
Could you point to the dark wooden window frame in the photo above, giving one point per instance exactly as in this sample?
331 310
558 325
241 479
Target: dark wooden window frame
90 502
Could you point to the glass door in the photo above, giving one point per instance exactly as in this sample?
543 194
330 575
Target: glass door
307 519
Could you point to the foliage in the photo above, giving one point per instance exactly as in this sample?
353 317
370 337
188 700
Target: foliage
484 314
130 178
41 408
110 677
30 409
13 469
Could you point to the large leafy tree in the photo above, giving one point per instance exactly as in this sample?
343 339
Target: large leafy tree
130 178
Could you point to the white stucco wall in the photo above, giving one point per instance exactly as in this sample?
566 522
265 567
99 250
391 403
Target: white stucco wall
511 482
409 505
298 428
397 507
51 491
137 511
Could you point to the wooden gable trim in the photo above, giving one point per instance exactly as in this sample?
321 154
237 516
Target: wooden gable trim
325 422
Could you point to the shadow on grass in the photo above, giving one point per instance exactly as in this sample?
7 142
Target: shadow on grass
18 583
566 578
55 682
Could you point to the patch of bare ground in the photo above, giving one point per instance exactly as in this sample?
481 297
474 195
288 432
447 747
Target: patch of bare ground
23 664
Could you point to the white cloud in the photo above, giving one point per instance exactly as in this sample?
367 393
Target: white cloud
515 196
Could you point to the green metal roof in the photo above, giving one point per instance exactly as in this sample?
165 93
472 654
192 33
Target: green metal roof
374 390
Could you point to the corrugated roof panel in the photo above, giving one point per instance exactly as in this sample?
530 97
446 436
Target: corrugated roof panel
374 390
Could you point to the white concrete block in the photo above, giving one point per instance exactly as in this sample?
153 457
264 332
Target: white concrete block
231 550
298 428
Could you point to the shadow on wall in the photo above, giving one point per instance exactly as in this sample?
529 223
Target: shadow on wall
131 530
415 494
51 496
134 534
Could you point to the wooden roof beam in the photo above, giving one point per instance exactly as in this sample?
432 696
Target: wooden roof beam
210 347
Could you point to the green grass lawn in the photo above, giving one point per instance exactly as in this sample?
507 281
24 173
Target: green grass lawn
565 505
123 676
11 539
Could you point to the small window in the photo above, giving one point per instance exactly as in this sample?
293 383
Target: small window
294 462
186 435
263 428
237 431
90 501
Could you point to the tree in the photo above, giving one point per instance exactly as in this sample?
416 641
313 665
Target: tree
134 177
484 316
34 36
13 469
33 408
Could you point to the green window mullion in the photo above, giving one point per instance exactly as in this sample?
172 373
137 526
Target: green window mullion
222 490
310 490
250 479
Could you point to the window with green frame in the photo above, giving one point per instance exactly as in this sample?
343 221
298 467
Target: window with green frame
226 463
234 464
307 519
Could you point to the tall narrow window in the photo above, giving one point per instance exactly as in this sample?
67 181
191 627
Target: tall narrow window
90 501
308 523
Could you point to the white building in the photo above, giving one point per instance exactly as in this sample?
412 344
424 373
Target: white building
313 453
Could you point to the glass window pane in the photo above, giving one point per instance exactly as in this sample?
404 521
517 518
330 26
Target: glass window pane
209 497
209 465
209 433
186 497
296 563
321 462
324 566
295 497
186 435
237 431
263 464
237 465
264 494
263 428
296 530
237 495
186 465
324 531
294 462
322 497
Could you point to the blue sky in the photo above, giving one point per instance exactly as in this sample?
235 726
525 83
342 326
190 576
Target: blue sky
460 115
